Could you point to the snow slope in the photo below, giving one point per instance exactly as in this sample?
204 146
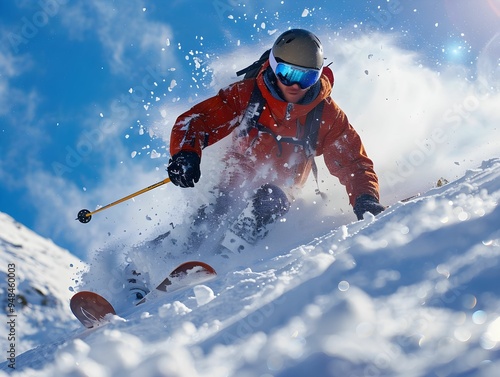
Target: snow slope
42 274
412 292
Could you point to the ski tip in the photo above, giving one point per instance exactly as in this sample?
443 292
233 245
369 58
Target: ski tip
187 266
90 308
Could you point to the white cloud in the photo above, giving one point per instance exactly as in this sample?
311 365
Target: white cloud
417 124
124 30
11 66
18 107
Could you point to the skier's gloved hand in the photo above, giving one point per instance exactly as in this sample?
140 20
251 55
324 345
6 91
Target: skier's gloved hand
367 203
184 169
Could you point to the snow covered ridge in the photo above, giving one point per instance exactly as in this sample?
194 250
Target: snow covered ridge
35 280
412 292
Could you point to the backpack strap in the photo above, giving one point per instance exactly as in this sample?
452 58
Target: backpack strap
313 122
253 69
253 111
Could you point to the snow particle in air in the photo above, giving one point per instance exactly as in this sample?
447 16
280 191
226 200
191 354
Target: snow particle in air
343 286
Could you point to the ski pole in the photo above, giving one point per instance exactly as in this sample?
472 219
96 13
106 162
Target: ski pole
84 216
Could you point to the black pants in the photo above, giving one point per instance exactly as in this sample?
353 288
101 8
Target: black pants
248 217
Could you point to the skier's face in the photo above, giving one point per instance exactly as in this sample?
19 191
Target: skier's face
293 93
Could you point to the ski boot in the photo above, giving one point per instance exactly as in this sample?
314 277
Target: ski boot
267 205
136 284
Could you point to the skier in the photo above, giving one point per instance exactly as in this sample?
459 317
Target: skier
279 121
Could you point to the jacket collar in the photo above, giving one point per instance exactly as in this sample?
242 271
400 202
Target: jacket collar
283 110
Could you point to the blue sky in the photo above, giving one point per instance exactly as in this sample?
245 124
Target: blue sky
89 91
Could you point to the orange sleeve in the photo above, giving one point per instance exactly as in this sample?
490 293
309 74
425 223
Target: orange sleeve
346 158
210 120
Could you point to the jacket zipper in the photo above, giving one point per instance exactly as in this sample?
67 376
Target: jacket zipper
289 108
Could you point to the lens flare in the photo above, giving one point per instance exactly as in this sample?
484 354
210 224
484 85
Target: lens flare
495 6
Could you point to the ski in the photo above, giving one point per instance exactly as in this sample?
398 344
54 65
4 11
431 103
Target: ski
91 309
185 275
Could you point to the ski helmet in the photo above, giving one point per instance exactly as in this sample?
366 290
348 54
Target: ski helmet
299 47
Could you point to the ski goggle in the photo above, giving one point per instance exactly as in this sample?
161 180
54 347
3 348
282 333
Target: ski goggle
290 74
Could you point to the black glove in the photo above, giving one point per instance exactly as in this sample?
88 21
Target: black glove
367 203
184 169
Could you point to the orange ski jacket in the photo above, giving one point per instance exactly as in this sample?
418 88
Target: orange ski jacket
261 157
